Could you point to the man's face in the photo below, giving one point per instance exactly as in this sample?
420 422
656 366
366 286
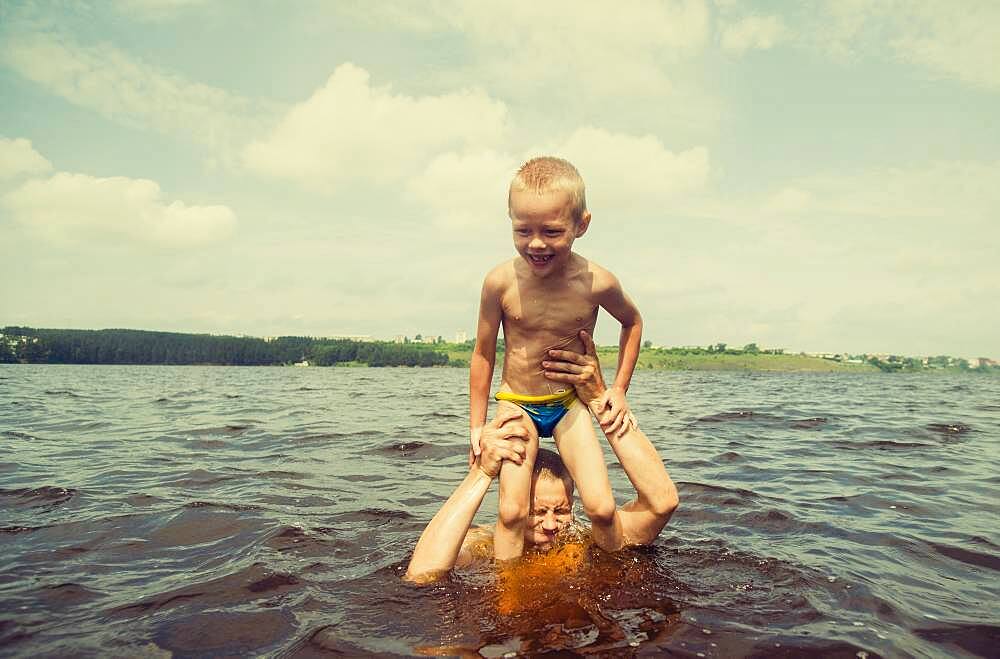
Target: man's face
551 511
544 229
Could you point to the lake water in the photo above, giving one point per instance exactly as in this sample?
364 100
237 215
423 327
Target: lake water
217 511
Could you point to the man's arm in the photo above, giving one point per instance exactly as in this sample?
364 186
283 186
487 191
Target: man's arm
440 544
611 296
483 358
644 518
656 500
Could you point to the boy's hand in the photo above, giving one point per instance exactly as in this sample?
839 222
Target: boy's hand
475 433
613 413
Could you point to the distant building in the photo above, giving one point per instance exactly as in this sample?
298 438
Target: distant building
461 337
14 340
362 338
399 338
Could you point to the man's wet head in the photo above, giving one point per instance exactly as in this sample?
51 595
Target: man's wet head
551 500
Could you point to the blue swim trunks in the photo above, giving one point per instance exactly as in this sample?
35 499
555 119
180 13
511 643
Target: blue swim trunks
545 411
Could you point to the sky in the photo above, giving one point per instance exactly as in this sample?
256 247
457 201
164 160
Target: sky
820 176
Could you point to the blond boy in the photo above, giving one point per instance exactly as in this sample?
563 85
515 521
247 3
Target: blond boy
543 298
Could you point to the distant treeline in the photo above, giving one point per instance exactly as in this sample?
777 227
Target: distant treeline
122 346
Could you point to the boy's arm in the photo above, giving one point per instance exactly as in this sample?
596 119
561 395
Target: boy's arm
618 304
483 359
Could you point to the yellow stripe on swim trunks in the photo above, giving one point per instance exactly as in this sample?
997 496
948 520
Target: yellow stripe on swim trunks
545 411
564 397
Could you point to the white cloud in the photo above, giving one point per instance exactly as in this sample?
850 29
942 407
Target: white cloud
952 40
627 173
788 200
899 259
18 158
125 89
956 194
585 48
753 32
155 10
631 47
68 207
917 242
465 190
349 131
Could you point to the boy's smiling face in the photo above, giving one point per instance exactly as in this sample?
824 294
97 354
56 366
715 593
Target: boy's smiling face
544 229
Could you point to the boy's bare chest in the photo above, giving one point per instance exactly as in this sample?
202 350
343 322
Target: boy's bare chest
560 309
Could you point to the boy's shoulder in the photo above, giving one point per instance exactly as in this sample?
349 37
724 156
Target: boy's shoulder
602 278
500 275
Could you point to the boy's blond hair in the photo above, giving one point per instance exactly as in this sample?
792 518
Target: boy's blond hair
546 174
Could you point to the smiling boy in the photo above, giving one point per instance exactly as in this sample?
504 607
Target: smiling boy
543 298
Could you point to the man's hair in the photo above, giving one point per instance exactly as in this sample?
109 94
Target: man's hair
547 174
548 464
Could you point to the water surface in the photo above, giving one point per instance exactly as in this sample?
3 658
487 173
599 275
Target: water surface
207 511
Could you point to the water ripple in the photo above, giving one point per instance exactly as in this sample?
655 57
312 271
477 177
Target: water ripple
247 511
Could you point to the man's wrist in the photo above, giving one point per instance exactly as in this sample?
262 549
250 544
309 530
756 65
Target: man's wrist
479 474
594 395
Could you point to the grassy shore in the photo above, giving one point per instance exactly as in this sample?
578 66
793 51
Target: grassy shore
663 360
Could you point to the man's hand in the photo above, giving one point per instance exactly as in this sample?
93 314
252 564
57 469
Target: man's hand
502 439
581 371
584 373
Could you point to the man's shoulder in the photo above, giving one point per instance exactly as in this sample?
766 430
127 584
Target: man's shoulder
477 545
479 534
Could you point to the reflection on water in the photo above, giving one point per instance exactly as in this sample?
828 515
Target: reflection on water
573 597
193 511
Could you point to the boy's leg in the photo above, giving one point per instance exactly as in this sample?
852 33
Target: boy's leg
515 494
581 452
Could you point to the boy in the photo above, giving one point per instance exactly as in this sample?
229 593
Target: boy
543 298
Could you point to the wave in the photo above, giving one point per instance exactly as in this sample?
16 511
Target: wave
47 496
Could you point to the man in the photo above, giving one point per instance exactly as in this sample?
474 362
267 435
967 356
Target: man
448 542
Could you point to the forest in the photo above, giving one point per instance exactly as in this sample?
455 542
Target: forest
125 346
